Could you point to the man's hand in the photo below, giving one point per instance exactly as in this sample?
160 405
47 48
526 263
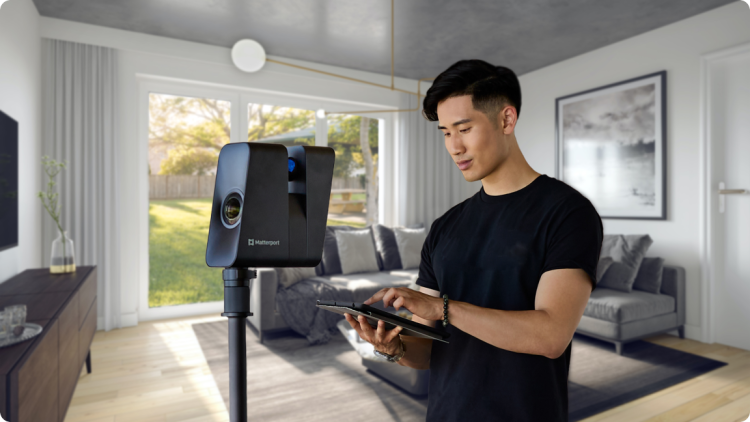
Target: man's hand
424 306
384 341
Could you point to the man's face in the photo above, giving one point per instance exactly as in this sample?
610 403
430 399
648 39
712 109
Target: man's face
474 143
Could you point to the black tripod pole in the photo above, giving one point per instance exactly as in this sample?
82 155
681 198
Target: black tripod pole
237 309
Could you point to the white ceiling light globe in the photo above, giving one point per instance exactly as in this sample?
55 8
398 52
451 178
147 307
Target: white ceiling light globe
248 55
321 113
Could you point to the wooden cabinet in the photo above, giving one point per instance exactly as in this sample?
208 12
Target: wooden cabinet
38 377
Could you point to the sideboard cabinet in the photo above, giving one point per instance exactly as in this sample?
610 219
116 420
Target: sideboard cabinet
38 376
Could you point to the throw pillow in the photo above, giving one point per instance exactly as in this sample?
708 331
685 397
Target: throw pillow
602 266
650 275
627 250
356 251
290 276
617 277
385 243
410 242
330 262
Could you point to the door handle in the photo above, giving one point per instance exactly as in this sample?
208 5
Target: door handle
723 191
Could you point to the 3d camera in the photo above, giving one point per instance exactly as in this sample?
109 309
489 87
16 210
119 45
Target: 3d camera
270 206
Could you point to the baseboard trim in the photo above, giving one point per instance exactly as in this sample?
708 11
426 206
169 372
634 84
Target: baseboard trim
691 331
129 319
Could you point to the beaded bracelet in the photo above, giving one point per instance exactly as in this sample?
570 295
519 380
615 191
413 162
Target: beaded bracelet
445 310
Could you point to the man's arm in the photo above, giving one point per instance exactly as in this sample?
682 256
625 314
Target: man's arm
561 298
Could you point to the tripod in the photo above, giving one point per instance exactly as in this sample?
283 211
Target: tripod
237 309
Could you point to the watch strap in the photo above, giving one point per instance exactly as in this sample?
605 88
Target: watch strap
392 358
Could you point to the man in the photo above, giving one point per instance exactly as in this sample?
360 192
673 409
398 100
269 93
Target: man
517 261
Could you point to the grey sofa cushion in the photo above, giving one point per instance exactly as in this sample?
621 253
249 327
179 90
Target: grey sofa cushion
356 251
410 243
331 261
617 277
385 242
628 251
389 257
620 307
649 275
602 267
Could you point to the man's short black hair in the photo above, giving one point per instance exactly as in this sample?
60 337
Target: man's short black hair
491 88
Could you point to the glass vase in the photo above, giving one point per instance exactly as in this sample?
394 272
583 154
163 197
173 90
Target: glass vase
63 257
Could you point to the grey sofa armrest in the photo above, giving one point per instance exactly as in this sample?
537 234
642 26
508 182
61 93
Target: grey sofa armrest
673 284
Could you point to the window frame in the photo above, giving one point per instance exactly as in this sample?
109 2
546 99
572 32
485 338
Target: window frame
240 98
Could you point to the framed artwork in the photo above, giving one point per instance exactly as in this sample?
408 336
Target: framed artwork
611 146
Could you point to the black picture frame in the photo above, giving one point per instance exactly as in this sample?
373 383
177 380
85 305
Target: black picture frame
611 145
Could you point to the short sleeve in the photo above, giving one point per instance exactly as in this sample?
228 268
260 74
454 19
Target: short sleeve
574 240
426 275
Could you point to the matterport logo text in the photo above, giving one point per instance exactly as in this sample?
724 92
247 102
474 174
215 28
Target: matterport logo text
258 242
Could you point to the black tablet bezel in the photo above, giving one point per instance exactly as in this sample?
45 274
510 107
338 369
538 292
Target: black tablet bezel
374 315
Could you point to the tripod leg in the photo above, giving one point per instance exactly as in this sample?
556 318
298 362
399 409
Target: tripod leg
237 370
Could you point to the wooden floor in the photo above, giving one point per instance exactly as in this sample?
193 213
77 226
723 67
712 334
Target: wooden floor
156 372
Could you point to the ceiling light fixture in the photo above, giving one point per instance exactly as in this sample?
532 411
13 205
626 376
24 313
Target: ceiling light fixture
248 55
248 58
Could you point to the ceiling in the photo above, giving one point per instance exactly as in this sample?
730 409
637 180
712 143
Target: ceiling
523 35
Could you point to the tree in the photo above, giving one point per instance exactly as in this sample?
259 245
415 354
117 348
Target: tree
355 140
266 121
192 131
371 179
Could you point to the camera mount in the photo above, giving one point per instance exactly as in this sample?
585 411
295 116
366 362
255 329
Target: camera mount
237 309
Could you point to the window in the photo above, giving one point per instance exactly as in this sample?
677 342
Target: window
354 190
185 137
280 125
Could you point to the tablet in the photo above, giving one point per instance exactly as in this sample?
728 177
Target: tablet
373 315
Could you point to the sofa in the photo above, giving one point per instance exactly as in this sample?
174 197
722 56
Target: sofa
284 299
617 313
635 296
620 317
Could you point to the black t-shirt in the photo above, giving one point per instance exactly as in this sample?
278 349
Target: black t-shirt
491 251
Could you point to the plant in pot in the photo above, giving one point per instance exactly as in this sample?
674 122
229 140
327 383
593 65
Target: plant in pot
62 259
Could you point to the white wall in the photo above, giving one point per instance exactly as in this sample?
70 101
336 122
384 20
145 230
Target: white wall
675 48
20 98
174 60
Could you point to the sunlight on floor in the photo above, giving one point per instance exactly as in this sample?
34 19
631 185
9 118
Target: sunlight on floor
153 372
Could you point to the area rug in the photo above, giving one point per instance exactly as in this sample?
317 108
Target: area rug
287 380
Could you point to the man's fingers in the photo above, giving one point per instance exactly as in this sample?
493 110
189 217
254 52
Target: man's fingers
376 297
393 334
389 296
398 302
364 325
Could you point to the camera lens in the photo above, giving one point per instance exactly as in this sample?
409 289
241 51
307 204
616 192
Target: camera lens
232 210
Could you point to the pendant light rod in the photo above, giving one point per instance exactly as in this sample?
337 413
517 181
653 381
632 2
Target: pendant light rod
393 46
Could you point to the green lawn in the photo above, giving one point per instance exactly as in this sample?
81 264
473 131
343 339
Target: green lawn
177 254
178 231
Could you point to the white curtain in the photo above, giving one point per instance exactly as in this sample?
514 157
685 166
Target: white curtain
79 97
428 182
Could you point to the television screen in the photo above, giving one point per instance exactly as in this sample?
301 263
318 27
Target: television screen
8 182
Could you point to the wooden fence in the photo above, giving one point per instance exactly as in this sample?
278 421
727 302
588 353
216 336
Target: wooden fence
186 186
346 183
180 186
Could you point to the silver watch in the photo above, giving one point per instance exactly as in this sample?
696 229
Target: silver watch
391 358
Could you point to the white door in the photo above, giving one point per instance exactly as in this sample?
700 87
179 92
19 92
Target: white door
729 132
